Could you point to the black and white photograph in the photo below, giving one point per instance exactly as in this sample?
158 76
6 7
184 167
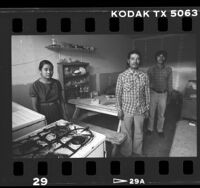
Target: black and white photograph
104 96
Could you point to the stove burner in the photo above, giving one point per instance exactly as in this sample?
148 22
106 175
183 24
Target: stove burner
78 140
53 141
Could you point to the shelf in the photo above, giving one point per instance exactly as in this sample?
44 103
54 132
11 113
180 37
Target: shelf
75 63
77 47
55 47
82 84
77 76
66 47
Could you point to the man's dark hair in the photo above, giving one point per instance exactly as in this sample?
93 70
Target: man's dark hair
163 52
133 52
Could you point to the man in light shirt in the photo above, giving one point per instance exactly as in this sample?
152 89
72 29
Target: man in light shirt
133 100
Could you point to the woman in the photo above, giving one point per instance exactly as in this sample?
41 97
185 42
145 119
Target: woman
46 94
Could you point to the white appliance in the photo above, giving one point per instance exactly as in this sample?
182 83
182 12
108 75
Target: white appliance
95 149
61 141
25 120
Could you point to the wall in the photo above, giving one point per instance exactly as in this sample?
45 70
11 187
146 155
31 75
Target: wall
28 51
181 50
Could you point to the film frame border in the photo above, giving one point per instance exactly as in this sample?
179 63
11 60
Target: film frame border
25 23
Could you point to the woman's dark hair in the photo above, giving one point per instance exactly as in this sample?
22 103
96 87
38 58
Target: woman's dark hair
45 62
163 52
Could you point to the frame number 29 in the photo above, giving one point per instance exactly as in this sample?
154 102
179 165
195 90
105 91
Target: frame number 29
40 181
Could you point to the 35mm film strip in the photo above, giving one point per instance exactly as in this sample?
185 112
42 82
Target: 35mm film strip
99 96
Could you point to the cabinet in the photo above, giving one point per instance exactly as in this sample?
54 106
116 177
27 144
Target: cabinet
74 78
189 105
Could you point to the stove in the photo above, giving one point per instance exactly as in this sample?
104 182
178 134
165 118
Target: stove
60 141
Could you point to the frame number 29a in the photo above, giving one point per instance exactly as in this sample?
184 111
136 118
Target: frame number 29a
136 181
40 181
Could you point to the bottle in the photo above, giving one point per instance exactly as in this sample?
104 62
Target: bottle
91 95
75 91
87 91
53 41
81 92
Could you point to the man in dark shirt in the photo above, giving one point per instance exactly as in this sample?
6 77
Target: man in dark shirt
160 77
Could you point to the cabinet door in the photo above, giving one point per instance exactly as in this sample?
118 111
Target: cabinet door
99 152
69 80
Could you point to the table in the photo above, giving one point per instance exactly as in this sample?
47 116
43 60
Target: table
103 104
106 106
185 140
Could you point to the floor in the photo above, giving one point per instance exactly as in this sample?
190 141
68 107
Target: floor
154 145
